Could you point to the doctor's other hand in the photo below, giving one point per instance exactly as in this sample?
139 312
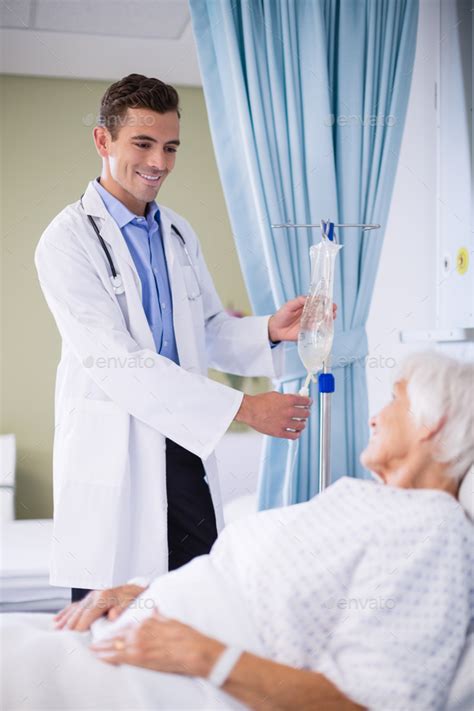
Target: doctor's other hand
284 325
112 602
275 414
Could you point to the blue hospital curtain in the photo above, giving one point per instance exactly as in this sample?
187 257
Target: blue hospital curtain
307 102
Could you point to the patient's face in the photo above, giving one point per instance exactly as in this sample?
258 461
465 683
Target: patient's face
393 434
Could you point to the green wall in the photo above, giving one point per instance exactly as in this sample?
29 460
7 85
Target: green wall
47 160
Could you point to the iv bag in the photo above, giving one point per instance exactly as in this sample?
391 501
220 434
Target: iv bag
317 323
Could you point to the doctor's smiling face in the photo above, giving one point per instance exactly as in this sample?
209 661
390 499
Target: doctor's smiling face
137 137
138 155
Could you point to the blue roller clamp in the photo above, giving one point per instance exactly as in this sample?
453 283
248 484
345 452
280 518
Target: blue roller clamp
326 383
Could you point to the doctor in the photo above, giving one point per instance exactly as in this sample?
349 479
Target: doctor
136 418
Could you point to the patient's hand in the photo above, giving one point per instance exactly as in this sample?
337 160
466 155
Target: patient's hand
170 646
162 644
112 602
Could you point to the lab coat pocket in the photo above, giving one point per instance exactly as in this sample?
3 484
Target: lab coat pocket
96 449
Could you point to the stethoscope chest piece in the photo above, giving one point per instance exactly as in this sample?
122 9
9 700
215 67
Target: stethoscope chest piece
117 284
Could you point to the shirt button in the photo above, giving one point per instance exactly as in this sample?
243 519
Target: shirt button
165 343
163 305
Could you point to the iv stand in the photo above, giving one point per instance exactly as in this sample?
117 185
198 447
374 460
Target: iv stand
326 379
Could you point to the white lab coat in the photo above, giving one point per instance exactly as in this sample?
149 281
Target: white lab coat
117 400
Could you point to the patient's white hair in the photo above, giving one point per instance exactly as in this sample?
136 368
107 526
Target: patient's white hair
442 387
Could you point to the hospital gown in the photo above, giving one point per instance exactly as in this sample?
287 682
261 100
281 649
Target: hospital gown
368 584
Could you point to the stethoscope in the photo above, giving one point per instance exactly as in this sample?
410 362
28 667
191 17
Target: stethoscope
116 279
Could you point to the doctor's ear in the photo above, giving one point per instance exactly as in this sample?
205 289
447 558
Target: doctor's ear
102 140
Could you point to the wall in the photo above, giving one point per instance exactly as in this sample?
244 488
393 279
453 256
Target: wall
48 158
405 294
455 265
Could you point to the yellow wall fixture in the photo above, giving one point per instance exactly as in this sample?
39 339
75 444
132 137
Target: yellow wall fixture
462 260
48 158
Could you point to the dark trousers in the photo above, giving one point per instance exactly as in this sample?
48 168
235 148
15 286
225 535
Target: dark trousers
191 519
78 593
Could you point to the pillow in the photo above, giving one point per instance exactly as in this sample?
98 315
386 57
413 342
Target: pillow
462 688
466 493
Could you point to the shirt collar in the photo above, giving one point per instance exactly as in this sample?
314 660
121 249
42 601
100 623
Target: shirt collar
120 213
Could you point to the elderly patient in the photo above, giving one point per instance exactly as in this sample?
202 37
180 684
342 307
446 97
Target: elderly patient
358 598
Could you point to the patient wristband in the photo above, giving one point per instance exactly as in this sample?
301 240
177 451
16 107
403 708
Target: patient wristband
224 665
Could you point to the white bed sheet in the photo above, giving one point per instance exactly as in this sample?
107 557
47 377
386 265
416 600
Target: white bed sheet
48 669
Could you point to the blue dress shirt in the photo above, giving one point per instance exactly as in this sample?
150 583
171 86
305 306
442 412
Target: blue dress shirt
144 241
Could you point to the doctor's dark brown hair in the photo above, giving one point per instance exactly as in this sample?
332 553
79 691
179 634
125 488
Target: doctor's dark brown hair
135 91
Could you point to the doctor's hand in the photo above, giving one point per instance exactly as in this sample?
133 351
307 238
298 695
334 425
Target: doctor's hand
284 325
112 602
275 414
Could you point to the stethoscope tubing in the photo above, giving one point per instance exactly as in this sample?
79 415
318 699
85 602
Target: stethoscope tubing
115 275
104 246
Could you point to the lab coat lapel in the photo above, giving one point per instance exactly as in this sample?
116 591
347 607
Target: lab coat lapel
182 317
124 264
109 229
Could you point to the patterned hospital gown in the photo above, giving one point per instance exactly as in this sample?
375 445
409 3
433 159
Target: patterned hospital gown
368 584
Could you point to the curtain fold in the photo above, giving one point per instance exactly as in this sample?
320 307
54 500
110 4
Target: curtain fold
307 102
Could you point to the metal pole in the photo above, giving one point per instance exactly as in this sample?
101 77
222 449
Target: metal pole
364 227
326 379
326 388
325 441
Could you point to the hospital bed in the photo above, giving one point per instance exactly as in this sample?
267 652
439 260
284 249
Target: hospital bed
25 544
461 697
25 551
24 568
